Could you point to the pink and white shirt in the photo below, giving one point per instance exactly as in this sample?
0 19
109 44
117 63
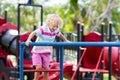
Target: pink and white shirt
45 35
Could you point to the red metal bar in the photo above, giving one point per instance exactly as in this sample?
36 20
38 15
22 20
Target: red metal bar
50 70
97 65
92 70
78 64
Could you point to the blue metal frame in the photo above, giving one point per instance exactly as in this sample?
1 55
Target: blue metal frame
61 45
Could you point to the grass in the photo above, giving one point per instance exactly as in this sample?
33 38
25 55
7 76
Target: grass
105 77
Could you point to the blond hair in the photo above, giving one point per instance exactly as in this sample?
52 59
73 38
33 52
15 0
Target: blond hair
54 20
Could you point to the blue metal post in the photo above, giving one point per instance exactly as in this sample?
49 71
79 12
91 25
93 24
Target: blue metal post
61 62
21 62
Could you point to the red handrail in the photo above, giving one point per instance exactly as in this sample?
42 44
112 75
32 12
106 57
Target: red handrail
97 65
78 64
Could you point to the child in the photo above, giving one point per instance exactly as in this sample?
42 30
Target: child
46 33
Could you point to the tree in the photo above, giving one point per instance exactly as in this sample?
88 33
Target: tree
93 12
90 12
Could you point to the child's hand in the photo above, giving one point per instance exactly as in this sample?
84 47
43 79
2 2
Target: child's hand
82 48
27 43
67 41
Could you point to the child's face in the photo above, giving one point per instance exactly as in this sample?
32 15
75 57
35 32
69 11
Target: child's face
53 28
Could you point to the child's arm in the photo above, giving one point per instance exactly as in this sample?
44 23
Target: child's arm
32 34
63 38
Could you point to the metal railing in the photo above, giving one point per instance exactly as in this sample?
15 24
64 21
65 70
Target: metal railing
61 45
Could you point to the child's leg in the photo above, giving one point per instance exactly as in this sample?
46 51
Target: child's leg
36 59
46 62
36 74
46 74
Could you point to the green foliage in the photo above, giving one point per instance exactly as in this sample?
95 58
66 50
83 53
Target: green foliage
116 17
66 16
12 12
83 12
28 18
71 12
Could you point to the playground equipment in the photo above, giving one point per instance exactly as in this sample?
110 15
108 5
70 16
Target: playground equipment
94 61
91 56
61 44
8 43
